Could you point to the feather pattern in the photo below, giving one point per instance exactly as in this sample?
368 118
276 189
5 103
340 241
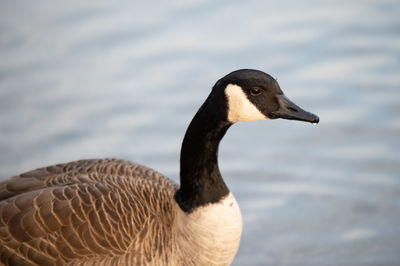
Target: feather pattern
88 212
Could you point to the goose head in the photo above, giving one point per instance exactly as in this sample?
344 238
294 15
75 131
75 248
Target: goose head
254 95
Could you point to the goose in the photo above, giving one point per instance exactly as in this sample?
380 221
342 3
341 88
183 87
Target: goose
116 212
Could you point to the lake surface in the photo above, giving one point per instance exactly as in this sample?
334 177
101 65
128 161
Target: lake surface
93 79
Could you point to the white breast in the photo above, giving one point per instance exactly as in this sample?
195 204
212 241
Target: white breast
210 235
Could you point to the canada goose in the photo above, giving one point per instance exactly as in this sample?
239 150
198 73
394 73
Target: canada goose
115 212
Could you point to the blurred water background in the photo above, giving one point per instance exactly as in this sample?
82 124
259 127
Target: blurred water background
93 79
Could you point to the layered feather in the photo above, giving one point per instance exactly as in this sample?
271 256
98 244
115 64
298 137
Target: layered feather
89 212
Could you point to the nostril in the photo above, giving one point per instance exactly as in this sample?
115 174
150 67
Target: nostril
292 109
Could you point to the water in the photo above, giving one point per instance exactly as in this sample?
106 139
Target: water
105 79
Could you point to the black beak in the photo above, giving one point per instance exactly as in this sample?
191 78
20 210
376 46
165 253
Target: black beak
289 110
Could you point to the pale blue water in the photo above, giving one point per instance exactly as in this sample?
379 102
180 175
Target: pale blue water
92 79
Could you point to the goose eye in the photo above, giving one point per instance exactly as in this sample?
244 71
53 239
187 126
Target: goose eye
255 91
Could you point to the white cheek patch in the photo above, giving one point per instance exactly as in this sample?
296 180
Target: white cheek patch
239 106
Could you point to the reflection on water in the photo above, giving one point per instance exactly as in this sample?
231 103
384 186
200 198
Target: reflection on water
100 79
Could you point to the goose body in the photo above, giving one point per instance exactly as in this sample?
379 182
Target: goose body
115 212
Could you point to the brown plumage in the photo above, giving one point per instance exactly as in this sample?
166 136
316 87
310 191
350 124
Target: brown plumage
87 212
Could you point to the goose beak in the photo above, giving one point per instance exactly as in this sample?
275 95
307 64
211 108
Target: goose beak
289 110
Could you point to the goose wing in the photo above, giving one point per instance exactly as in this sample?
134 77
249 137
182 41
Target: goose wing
88 211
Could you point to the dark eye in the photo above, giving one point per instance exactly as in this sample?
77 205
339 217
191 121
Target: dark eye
255 91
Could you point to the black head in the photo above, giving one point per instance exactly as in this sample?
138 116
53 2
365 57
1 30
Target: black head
255 95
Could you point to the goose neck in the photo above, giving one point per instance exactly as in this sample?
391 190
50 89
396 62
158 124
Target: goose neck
201 180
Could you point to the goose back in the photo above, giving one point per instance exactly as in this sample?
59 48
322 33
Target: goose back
88 211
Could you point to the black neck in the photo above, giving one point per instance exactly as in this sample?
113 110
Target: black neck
201 180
